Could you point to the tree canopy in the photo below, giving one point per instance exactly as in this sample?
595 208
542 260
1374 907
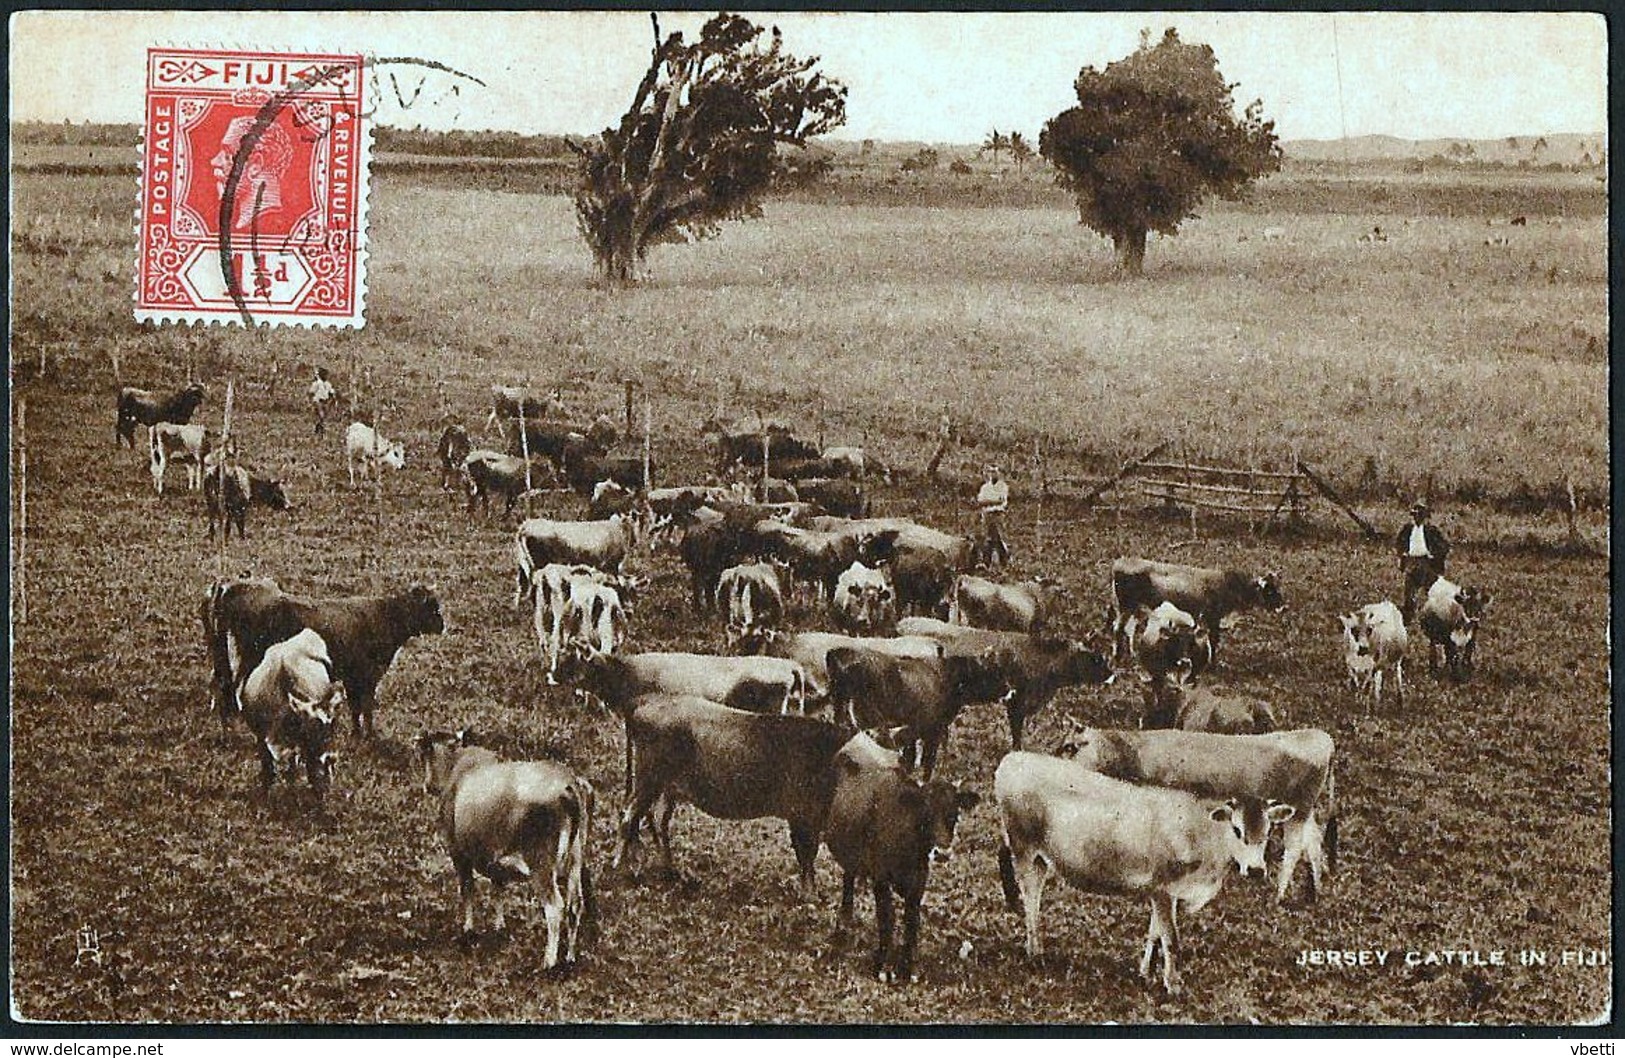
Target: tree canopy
699 143
1153 135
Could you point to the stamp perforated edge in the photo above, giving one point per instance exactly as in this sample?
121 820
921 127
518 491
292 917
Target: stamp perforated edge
356 320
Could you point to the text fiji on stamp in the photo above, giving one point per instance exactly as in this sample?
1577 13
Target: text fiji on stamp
253 188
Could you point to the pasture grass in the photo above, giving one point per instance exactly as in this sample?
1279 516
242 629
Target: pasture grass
1429 363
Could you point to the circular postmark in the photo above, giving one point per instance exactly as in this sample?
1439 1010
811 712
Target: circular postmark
255 150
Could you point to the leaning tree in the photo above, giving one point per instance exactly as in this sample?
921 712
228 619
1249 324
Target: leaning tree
1153 135
699 144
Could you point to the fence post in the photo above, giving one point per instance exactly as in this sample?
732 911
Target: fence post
22 512
1190 482
1043 487
524 452
377 483
220 482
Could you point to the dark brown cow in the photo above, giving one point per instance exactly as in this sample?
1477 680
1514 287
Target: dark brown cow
140 407
888 829
363 633
729 764
914 699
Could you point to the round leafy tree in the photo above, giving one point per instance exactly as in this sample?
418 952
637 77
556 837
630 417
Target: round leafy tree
699 144
1152 136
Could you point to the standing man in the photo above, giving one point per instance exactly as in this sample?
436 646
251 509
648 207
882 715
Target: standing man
992 501
322 397
1421 549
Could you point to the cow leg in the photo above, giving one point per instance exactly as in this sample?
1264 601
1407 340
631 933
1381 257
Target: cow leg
668 806
1376 688
911 932
547 882
883 930
1031 878
849 885
933 745
1015 712
1292 841
1399 681
1315 850
465 890
1165 927
267 764
804 840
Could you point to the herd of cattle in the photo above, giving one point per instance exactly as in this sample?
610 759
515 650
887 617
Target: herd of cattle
823 729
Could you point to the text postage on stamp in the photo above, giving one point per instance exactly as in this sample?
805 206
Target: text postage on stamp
253 188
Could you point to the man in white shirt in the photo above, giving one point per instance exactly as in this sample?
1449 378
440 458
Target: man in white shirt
322 397
992 501
1421 549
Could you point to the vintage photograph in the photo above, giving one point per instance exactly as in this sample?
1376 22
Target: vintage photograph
810 519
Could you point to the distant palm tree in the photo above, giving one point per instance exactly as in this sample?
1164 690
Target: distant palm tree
1020 150
996 141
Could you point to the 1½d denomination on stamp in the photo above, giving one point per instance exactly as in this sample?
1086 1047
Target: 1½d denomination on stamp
253 188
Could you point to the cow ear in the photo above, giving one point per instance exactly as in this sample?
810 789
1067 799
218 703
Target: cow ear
1279 813
1222 813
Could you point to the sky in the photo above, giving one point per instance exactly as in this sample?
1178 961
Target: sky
946 77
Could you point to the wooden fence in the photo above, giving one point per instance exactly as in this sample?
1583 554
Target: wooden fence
1261 495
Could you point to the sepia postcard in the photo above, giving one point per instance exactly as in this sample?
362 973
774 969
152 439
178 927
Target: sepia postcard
917 520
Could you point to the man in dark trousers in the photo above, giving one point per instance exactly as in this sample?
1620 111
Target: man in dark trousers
1421 549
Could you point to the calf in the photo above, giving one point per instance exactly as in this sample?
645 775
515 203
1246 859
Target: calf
915 699
1166 639
569 604
755 603
363 634
364 444
453 450
140 407
1449 618
1106 836
513 820
1170 702
1207 594
1025 607
1291 768
289 701
886 828
168 443
512 402
863 601
540 541
487 473
729 764
1374 642
228 492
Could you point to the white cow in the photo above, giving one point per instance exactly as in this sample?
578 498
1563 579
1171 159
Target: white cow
864 600
1103 835
169 442
1449 618
569 606
289 702
1374 642
364 444
1291 768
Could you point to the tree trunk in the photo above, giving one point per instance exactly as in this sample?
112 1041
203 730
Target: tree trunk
1130 252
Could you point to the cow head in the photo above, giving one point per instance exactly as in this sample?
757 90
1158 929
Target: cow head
394 456
438 752
1473 602
1356 633
1268 588
1249 822
268 492
424 609
941 804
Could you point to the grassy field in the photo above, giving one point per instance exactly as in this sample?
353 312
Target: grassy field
1473 817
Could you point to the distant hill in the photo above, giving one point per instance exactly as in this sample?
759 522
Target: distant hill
1560 148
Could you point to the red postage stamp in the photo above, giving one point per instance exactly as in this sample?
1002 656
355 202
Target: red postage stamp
253 188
